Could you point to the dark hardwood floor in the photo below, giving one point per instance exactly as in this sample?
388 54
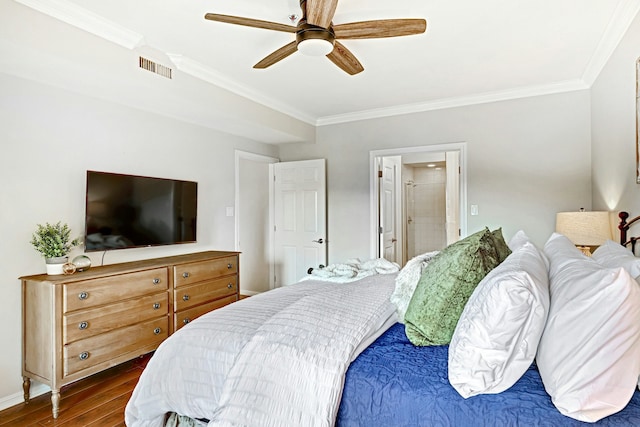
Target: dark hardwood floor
97 401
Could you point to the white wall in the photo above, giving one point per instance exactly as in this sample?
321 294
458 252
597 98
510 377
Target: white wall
50 137
73 119
527 159
614 129
253 222
41 48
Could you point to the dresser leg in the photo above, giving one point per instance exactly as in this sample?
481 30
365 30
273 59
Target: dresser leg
55 402
26 388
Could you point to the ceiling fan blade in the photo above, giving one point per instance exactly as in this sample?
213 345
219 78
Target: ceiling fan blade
343 58
248 22
278 55
380 28
320 12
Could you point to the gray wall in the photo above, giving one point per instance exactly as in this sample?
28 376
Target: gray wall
613 124
50 137
526 160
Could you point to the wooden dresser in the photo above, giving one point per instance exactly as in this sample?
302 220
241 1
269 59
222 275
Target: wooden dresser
77 325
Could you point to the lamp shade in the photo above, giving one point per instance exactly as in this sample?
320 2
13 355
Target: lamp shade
584 228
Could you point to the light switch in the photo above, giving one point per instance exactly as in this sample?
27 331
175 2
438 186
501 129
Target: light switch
474 209
229 210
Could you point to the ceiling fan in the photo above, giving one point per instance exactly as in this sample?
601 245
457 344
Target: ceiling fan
317 35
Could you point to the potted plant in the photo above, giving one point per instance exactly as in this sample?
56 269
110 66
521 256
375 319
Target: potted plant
53 241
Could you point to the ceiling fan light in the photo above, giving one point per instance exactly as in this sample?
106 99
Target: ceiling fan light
315 47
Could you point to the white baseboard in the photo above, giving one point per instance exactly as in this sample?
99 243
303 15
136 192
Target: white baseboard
18 398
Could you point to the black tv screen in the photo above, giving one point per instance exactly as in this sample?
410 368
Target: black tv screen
128 211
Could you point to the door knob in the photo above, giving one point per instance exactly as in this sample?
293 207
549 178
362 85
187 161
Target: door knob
318 241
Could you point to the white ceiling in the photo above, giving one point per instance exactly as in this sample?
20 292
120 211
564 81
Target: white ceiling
472 51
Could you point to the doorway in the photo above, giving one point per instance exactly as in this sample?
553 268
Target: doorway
252 231
430 199
268 210
424 207
299 206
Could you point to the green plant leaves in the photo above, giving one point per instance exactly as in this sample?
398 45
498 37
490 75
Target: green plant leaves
53 240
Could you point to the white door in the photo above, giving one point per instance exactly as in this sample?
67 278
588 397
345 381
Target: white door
390 209
299 219
452 196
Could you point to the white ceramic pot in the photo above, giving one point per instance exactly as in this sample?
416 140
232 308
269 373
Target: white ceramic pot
54 265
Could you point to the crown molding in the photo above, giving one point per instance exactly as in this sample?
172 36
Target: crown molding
81 18
87 21
463 101
207 74
622 18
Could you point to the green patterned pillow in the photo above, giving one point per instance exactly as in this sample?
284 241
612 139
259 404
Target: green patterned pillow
500 245
445 287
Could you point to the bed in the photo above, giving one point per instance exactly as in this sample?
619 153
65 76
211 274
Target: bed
321 353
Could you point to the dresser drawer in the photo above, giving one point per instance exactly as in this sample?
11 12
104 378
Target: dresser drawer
86 323
92 351
186 274
104 290
189 296
185 316
78 325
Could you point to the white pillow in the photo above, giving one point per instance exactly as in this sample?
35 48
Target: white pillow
496 338
518 240
589 354
407 281
613 255
562 251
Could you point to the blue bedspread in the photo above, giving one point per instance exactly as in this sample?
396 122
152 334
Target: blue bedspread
394 383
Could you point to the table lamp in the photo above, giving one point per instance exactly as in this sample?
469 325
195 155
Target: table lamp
584 229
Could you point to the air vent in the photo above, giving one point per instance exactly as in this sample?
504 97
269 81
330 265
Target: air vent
161 70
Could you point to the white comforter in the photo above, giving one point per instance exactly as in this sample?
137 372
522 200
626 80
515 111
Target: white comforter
275 359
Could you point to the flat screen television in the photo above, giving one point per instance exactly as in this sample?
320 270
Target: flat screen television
130 211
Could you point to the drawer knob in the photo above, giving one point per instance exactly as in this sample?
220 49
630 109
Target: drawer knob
185 274
83 325
186 320
156 281
156 305
230 286
157 331
185 297
84 355
229 266
83 295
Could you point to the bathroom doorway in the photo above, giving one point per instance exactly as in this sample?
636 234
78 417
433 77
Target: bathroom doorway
424 218
429 201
